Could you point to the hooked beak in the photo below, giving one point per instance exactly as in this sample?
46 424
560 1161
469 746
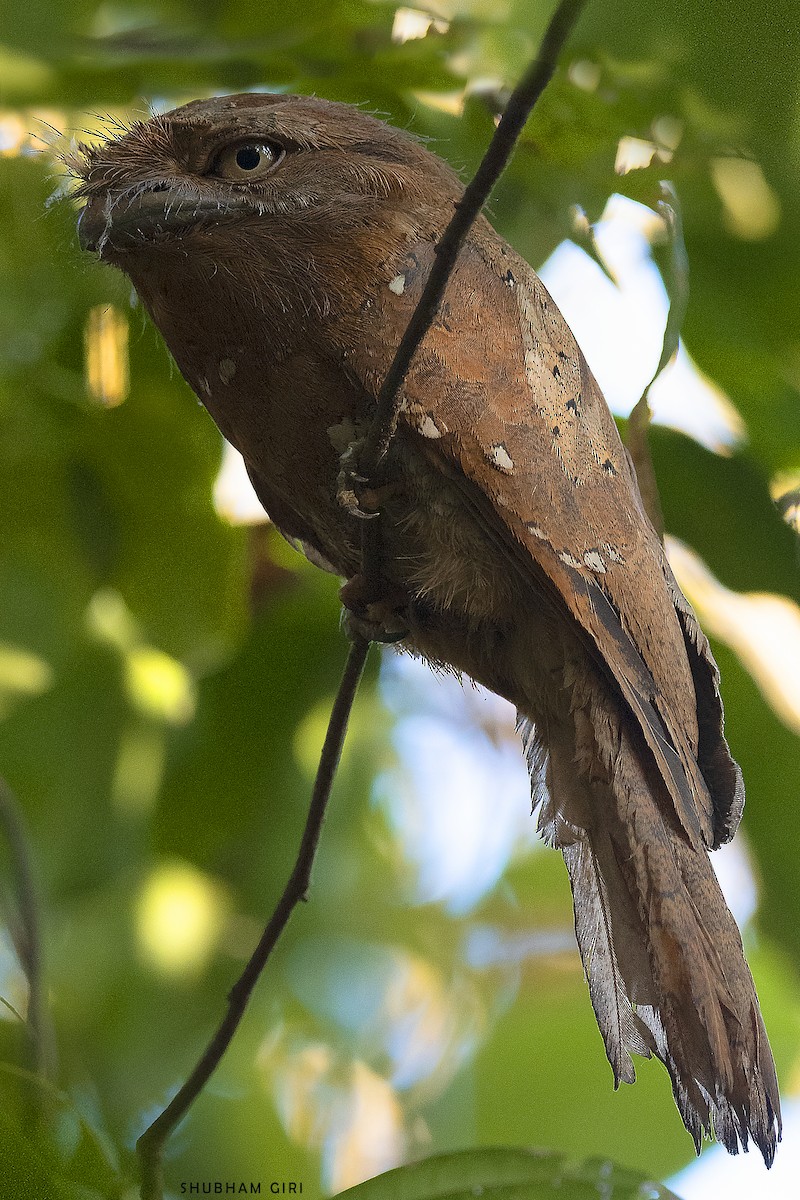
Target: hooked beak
119 223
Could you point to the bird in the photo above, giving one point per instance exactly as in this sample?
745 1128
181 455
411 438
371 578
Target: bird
280 244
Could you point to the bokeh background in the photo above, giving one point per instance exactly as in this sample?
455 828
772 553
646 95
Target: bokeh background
167 662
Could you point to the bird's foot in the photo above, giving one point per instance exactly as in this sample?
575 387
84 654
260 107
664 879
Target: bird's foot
375 617
352 491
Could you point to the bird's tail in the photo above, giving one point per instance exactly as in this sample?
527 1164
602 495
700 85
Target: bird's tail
661 951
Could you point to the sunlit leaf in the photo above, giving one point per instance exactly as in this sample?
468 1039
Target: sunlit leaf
509 1175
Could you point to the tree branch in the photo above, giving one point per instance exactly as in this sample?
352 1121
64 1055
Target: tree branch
519 108
150 1145
28 941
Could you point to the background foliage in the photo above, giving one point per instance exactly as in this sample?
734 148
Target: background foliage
164 674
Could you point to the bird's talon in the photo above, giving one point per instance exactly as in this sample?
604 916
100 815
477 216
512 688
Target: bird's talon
377 620
352 505
371 631
352 488
350 483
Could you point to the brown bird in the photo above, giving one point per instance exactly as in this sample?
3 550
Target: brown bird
280 244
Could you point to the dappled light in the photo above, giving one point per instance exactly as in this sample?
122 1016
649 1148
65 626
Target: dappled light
620 326
30 131
234 497
411 23
345 1111
109 618
180 916
399 1009
458 803
785 489
752 210
764 630
159 685
167 661
634 154
139 769
107 371
21 674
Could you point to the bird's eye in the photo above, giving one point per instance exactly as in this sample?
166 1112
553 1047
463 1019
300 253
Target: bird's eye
247 160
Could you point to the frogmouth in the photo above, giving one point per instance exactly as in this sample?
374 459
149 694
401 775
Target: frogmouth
279 244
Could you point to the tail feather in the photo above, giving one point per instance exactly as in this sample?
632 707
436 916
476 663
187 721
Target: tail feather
720 773
660 949
622 1029
599 922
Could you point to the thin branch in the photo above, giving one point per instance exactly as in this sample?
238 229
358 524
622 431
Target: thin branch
150 1145
676 278
28 942
468 208
498 153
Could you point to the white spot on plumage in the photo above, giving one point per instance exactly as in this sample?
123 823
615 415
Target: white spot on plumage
499 457
428 427
613 553
594 562
397 285
567 558
537 531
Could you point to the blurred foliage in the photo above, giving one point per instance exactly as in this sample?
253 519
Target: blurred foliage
509 1175
164 675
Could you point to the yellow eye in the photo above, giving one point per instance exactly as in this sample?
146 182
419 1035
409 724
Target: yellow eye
248 160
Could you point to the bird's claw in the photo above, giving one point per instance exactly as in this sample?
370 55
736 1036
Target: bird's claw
380 619
351 490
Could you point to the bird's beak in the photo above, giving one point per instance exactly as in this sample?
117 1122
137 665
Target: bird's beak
123 222
91 225
119 223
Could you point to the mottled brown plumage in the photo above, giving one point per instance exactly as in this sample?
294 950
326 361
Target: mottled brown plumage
280 244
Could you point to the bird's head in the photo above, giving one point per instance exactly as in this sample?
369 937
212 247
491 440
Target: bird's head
258 211
281 173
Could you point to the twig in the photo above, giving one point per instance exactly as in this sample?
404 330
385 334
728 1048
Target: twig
519 108
477 192
28 942
637 441
150 1145
676 279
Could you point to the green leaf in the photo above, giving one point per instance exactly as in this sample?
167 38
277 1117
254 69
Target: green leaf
676 276
722 507
509 1174
49 1148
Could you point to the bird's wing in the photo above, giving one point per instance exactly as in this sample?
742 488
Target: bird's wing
502 399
